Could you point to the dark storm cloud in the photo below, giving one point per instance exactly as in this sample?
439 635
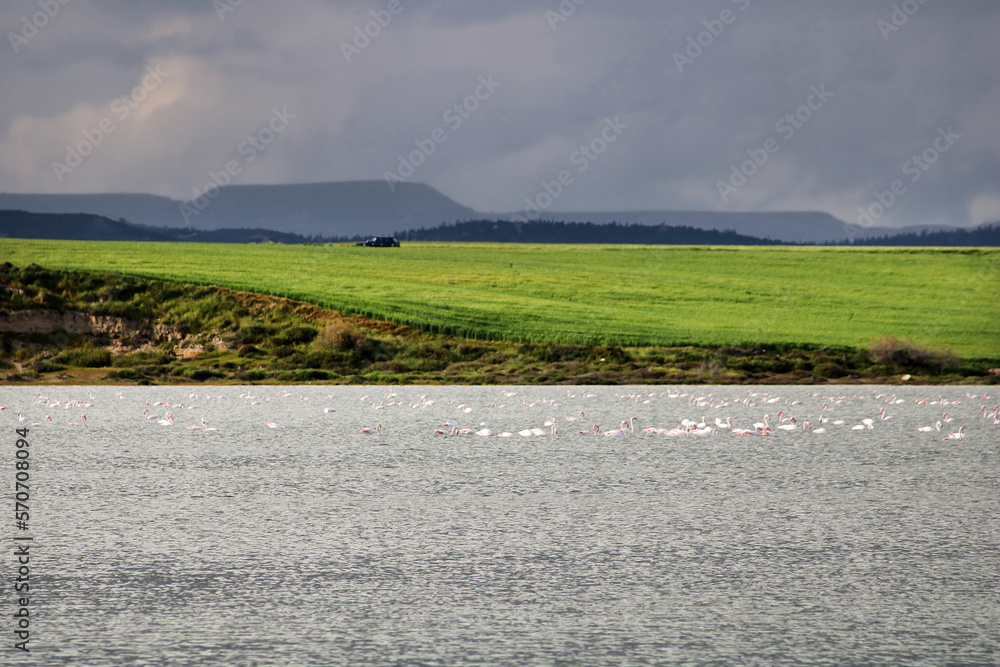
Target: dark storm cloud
851 98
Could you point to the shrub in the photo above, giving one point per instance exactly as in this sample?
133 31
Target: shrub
125 374
251 332
341 336
282 351
201 374
829 370
891 351
45 366
143 358
295 335
85 357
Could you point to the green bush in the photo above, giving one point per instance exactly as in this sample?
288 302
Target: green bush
252 333
125 374
295 335
829 370
86 357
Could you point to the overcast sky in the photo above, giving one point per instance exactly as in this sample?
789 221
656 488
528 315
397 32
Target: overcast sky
672 100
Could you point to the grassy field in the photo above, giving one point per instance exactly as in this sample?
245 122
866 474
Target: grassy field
617 295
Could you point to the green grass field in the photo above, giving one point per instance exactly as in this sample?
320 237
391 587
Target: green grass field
621 295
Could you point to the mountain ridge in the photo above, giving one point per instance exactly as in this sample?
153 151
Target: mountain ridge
90 227
345 209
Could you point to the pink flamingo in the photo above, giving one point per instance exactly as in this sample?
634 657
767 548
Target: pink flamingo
83 421
619 432
958 435
371 431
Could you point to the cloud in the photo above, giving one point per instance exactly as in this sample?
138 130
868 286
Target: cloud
354 119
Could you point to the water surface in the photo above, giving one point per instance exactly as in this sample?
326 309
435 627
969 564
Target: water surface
313 544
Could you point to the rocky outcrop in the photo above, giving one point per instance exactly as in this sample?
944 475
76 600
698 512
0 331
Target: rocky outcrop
48 322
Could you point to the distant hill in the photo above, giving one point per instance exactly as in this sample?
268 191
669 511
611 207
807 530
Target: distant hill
787 226
88 227
547 231
984 236
363 208
328 209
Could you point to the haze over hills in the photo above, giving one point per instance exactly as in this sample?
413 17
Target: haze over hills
345 208
785 226
360 208
90 227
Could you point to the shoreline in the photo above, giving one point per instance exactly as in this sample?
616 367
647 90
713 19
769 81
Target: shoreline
70 328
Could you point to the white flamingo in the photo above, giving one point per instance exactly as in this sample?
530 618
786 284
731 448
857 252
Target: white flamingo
958 435
619 432
371 431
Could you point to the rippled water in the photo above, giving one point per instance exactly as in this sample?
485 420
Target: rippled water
313 544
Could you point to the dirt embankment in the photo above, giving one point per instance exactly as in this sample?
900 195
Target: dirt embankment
49 322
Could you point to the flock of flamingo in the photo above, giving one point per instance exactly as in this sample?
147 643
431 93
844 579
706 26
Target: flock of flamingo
824 420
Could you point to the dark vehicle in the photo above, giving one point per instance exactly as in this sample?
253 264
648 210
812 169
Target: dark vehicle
380 242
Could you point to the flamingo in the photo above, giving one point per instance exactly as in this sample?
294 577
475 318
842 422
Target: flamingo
371 431
927 429
790 426
82 422
618 432
169 421
272 425
596 429
958 435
